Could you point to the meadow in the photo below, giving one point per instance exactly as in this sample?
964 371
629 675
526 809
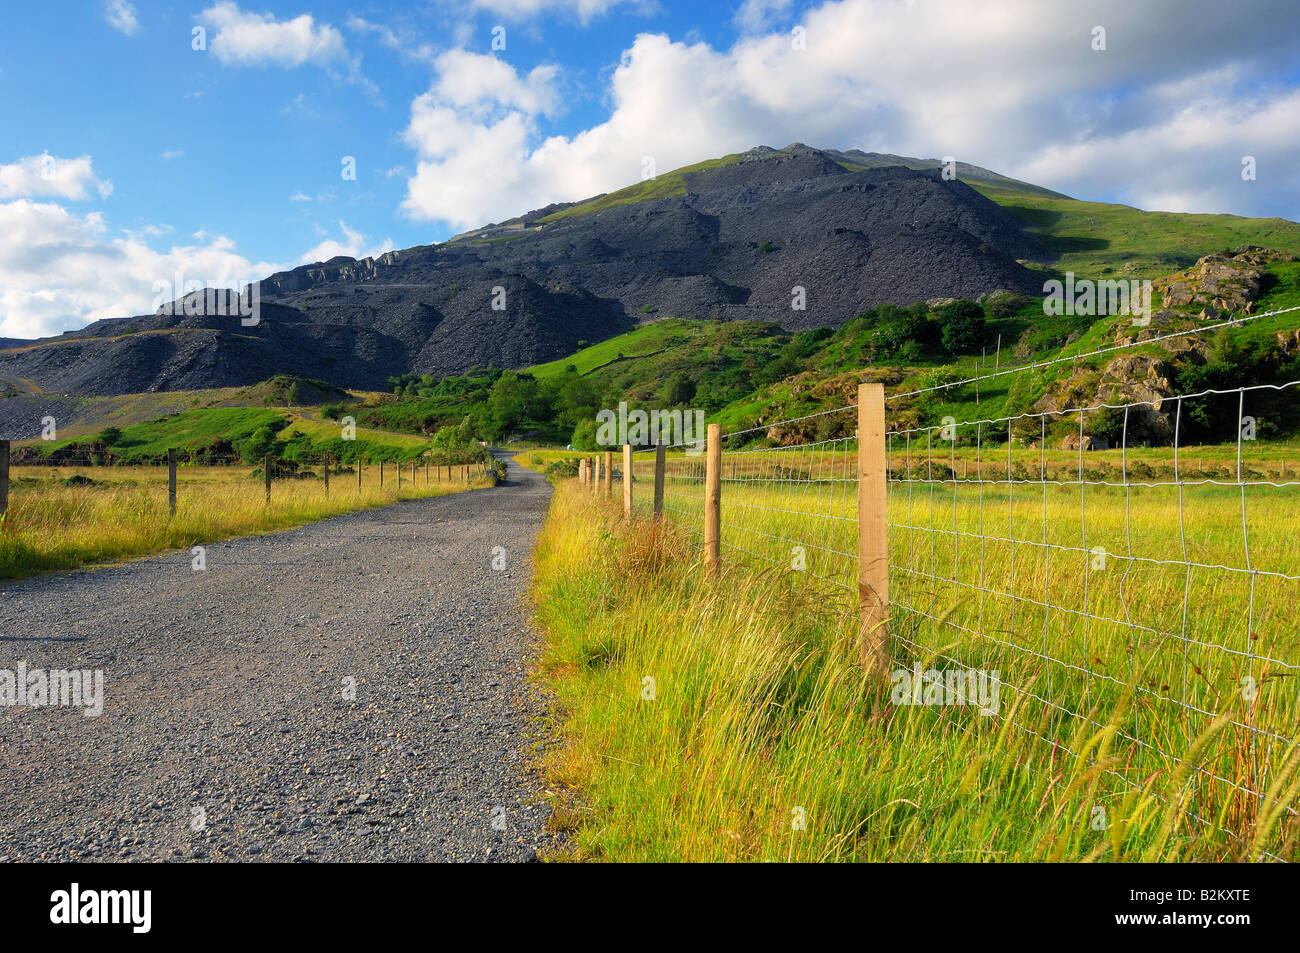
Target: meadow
1143 634
69 516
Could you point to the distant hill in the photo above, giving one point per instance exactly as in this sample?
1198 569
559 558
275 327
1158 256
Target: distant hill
743 237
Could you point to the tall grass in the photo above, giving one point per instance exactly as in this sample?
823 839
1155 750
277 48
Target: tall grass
124 511
728 719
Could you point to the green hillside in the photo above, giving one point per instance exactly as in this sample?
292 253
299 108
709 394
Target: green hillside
636 343
1096 239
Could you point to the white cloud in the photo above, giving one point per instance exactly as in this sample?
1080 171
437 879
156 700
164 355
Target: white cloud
480 83
300 196
168 154
244 38
59 270
120 15
259 39
1015 87
352 245
754 16
475 122
47 175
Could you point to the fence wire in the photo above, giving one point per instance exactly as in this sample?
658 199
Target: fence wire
1110 573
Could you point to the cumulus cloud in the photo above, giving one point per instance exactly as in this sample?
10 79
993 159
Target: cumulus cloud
1016 87
47 175
475 123
244 38
59 270
121 16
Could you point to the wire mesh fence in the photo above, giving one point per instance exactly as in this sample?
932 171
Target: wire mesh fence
1109 574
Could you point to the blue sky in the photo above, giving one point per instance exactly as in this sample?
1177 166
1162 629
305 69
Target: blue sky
128 156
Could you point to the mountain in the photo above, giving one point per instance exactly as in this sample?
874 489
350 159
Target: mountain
734 238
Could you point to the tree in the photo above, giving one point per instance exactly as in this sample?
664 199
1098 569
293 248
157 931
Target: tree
512 397
962 326
109 436
570 397
584 435
899 326
257 445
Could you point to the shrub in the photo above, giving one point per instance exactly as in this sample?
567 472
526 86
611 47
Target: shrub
962 326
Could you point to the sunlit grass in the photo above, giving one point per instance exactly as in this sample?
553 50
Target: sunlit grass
761 707
53 525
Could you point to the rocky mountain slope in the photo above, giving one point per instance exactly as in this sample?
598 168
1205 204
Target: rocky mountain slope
797 236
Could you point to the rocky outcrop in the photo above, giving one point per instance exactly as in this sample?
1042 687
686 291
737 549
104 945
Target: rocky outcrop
1219 282
1142 383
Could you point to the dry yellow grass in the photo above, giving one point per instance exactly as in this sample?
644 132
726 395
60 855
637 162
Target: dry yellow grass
51 525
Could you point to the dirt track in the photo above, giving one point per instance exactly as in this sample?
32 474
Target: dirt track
224 695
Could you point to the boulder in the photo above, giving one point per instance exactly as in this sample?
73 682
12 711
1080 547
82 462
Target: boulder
1072 442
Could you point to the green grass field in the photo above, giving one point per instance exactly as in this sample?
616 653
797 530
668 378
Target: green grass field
219 430
647 339
1124 732
57 520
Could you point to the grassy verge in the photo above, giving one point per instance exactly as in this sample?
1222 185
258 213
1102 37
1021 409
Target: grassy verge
729 720
55 521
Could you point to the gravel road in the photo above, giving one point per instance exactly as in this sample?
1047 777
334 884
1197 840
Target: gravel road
227 733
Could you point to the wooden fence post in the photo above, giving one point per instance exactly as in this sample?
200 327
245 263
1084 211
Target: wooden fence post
266 467
171 481
381 473
327 476
609 473
661 454
595 474
4 475
358 474
713 498
627 480
873 529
